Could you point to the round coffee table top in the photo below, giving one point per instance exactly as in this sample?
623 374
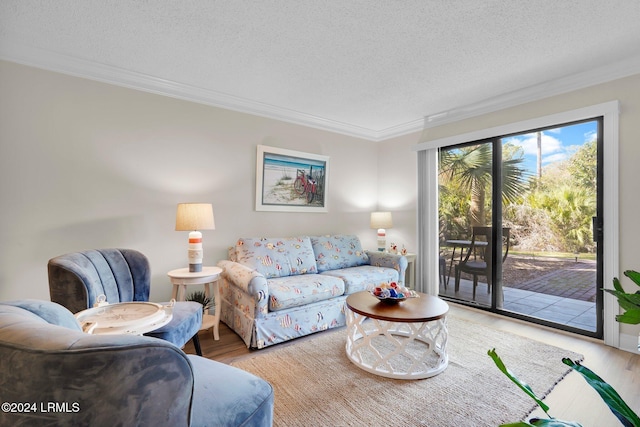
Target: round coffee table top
423 309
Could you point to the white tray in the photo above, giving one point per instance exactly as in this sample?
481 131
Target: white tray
125 318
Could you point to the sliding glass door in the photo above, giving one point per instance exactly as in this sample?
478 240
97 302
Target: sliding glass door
520 225
465 188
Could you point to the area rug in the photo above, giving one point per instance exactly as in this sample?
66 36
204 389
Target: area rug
315 384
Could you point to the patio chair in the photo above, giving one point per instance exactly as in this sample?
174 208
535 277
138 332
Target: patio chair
477 260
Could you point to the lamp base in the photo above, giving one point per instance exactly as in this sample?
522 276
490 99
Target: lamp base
382 239
195 252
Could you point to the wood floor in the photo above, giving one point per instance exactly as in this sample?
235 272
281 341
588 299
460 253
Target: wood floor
572 399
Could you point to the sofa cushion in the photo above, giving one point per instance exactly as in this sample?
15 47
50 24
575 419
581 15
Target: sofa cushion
277 257
338 251
363 278
295 291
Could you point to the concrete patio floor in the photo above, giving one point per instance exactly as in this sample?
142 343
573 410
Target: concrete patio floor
559 309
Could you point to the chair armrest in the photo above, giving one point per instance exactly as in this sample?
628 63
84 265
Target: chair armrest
104 379
395 261
224 395
248 280
52 312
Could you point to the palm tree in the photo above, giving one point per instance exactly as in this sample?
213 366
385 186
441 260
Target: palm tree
570 209
471 168
539 164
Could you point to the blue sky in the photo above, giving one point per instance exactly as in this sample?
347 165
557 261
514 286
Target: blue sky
557 144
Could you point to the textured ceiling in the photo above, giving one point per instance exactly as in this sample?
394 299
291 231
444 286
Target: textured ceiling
371 68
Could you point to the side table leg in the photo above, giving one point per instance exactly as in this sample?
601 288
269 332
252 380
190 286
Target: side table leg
182 290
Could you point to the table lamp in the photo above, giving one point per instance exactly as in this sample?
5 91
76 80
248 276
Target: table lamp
193 217
381 220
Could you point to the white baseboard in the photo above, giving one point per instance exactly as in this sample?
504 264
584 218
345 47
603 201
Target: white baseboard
629 342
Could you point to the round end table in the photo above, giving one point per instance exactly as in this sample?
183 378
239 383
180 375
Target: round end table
182 277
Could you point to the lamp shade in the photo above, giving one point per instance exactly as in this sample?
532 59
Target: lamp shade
194 216
381 220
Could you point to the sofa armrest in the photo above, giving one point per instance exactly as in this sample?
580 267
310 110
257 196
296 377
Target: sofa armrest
249 281
395 261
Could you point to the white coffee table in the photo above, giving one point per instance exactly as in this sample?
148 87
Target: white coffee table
406 340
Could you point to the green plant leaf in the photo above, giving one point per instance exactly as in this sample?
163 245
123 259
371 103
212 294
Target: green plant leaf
200 296
633 275
518 424
613 400
553 423
550 422
617 285
631 317
626 301
524 386
633 298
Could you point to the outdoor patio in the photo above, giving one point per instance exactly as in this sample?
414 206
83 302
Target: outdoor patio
561 291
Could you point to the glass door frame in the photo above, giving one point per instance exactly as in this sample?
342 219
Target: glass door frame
428 193
496 304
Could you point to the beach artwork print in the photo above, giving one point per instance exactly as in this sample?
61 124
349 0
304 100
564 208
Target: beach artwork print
290 181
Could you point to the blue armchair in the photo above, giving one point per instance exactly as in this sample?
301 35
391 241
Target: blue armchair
67 377
122 275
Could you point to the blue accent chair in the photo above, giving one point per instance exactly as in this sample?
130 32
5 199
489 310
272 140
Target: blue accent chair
70 378
122 275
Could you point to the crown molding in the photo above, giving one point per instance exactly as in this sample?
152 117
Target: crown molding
607 73
400 130
65 64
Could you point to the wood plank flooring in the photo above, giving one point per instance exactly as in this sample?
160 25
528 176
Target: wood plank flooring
572 399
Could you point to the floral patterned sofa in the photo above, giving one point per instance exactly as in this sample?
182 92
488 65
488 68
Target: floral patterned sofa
276 289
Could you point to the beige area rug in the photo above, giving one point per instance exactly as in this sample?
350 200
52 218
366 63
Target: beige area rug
317 385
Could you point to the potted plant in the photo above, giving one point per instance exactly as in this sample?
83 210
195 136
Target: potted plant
628 302
199 296
620 409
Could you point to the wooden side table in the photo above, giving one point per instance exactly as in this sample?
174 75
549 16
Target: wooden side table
208 277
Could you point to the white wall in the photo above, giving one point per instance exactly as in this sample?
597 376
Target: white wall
89 165
397 188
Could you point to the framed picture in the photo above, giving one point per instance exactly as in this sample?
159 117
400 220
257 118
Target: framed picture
291 181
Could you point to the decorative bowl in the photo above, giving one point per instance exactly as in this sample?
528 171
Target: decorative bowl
390 300
392 293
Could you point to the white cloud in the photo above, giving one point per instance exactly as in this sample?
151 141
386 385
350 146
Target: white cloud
589 136
554 158
529 144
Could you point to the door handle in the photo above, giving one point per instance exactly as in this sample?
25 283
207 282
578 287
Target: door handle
596 225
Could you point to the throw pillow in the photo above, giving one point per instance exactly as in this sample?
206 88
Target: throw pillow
338 251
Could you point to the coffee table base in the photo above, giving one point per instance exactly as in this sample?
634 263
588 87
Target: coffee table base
399 350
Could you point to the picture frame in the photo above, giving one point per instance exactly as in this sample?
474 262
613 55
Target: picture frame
291 181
